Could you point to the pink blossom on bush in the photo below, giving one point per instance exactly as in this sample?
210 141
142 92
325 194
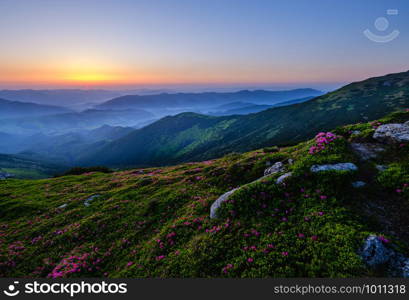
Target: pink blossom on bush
321 140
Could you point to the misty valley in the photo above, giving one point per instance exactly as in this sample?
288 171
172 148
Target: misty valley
43 138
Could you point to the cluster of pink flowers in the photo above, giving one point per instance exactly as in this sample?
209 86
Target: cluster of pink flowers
227 268
74 264
322 139
214 229
252 248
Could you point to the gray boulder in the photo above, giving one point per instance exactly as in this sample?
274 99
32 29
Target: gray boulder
275 168
334 167
216 204
374 253
392 133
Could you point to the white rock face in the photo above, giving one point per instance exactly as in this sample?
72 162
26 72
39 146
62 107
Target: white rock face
276 168
216 204
392 133
334 167
282 178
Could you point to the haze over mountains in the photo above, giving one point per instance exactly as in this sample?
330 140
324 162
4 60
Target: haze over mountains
64 135
15 109
183 102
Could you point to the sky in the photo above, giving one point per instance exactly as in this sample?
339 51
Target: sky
117 44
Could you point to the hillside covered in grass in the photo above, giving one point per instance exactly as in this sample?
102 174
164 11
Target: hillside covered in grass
155 222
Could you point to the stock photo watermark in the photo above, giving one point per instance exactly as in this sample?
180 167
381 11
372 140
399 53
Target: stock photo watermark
68 288
382 25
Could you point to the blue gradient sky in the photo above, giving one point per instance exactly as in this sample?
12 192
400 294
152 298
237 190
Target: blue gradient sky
121 43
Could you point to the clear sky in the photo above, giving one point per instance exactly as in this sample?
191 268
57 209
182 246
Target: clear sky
132 43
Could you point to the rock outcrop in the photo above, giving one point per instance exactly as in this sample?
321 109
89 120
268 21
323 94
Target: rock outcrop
275 168
216 204
392 133
278 167
376 254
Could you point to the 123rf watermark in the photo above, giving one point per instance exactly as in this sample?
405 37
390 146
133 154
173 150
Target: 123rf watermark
364 289
64 288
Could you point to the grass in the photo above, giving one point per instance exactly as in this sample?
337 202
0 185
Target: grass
155 222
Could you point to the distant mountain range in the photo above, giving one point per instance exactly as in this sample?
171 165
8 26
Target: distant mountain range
186 101
73 121
191 136
72 98
11 109
244 108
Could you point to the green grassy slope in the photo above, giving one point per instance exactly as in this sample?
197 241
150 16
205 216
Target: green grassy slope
190 137
155 222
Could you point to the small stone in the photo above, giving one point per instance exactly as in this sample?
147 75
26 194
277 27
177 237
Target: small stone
381 168
63 206
87 201
282 178
358 184
355 132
